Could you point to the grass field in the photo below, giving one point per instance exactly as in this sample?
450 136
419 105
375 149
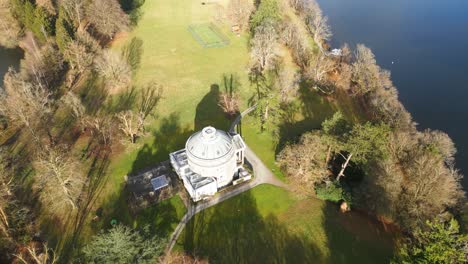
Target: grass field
267 220
208 35
192 77
269 225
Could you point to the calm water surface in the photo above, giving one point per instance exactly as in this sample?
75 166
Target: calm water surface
425 45
9 58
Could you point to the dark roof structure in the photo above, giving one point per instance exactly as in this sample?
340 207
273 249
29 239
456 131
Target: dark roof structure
159 182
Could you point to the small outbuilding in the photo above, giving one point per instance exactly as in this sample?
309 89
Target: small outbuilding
159 183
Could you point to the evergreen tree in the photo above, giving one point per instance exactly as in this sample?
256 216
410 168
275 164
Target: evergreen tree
123 245
440 243
64 30
43 25
267 10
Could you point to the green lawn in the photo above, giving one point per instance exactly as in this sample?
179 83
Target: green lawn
208 35
163 217
192 77
269 225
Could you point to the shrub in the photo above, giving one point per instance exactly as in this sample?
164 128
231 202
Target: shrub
267 10
64 31
43 25
334 192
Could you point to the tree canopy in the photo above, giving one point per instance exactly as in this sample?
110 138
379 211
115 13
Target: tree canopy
123 245
439 242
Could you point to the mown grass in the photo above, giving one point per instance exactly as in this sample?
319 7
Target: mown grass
191 76
269 225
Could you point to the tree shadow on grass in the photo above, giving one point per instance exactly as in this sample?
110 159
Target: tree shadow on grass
160 217
355 237
209 113
170 136
314 109
97 177
235 232
133 9
93 94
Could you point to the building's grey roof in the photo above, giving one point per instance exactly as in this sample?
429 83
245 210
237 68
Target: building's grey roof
179 158
209 144
159 182
197 181
238 142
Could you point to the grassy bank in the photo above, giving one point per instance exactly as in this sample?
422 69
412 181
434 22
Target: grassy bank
270 225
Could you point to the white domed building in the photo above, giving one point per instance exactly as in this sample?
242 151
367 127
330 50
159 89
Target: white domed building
212 159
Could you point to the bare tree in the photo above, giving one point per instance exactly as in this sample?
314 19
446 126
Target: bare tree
80 53
114 69
263 51
180 258
102 127
71 101
78 56
439 143
384 105
107 17
6 192
85 39
9 27
47 5
239 11
319 66
74 10
429 188
42 65
320 29
130 124
289 31
229 102
149 99
287 81
297 39
24 104
316 22
343 68
305 161
367 75
415 183
228 99
45 255
58 179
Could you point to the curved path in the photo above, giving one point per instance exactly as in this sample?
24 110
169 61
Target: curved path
261 175
239 117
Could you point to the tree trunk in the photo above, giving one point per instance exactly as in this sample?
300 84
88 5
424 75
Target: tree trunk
5 224
328 155
266 114
343 167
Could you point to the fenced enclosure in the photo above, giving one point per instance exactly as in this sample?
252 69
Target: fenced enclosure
208 35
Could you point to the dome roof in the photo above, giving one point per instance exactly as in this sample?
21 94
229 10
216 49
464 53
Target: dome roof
209 144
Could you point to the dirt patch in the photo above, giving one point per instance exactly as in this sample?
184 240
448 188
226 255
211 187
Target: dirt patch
118 38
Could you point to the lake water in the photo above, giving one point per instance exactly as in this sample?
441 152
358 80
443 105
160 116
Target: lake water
9 58
424 44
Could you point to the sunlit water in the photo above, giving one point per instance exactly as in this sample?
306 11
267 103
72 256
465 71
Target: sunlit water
424 43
